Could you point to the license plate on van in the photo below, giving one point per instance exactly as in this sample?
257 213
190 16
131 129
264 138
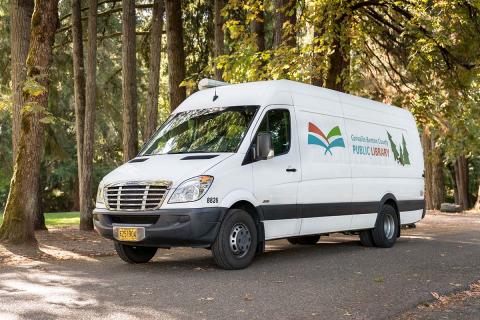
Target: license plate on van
129 233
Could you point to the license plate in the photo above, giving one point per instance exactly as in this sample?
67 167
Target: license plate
129 233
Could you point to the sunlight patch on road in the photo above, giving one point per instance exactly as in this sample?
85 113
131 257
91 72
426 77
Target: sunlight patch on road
61 254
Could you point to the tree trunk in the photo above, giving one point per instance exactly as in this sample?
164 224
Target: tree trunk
258 30
21 15
339 63
461 180
285 10
151 110
78 80
219 42
175 52
39 221
18 226
86 203
427 149
434 178
317 77
129 81
437 176
337 74
477 204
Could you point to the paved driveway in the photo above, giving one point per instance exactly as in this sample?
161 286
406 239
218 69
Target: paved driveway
335 279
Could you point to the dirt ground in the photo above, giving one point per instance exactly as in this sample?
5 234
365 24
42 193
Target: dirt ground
437 263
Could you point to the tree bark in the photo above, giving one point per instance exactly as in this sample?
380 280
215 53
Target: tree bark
437 177
317 77
285 10
258 30
477 204
21 15
78 82
434 177
427 149
39 220
86 199
219 41
129 81
461 180
175 52
18 226
151 110
339 63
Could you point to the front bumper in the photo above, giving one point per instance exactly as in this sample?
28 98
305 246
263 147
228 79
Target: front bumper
165 228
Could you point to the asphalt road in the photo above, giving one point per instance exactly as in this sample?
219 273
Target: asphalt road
335 279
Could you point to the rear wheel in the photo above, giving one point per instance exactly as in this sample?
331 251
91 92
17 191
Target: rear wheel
366 238
304 240
134 254
236 241
386 229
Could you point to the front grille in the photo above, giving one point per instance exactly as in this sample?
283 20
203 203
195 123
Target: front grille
135 196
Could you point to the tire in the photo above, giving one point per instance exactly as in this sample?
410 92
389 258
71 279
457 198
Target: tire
236 242
386 229
134 254
366 238
304 240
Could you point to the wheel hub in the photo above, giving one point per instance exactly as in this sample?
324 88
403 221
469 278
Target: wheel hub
240 239
389 226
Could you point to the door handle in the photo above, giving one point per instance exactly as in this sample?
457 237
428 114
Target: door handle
291 170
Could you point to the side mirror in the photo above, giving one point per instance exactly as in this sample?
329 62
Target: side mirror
263 150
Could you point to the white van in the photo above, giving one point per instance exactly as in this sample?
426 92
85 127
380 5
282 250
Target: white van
237 165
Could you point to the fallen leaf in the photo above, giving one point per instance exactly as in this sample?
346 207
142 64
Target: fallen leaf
206 299
248 297
379 279
435 295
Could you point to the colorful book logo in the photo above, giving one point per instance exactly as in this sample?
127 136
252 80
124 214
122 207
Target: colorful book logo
331 140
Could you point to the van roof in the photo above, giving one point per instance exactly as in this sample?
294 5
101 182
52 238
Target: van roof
270 92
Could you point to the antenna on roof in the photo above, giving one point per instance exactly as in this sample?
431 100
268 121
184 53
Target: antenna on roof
210 83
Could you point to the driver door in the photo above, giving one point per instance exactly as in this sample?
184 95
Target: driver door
276 179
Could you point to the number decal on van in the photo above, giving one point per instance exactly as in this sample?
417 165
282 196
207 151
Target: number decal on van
212 200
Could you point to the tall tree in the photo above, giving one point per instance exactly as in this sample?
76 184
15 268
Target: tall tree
257 26
434 178
219 37
151 111
175 52
78 80
86 203
461 180
129 81
18 226
285 11
21 15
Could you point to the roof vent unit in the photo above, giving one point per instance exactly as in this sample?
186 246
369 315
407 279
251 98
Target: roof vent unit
210 83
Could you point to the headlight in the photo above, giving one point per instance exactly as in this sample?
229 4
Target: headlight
100 196
191 190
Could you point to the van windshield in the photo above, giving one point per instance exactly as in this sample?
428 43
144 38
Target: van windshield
202 130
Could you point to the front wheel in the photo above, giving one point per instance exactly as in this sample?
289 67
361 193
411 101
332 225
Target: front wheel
134 254
236 241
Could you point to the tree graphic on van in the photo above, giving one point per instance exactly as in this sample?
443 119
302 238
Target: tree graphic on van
329 141
401 155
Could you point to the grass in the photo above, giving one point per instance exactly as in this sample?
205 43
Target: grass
59 219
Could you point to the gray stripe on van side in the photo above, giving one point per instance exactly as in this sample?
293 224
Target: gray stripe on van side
313 210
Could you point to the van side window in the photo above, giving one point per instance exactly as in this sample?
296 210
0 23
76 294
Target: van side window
277 122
